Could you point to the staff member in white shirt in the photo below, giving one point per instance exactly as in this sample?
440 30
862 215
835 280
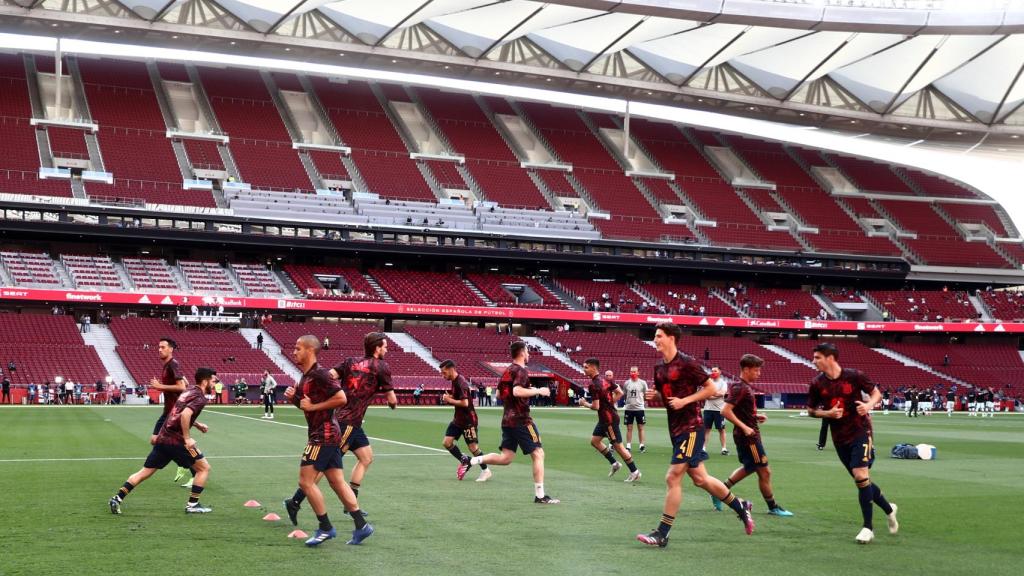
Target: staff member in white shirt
713 407
635 389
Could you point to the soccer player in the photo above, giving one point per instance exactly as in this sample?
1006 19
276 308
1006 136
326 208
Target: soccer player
713 408
741 409
317 395
464 424
950 401
849 416
175 443
682 384
604 394
172 383
886 399
362 378
517 427
972 402
990 402
636 389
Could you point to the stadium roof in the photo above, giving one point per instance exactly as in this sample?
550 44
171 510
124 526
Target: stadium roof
940 68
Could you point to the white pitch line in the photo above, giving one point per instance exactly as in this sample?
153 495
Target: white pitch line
421 447
212 457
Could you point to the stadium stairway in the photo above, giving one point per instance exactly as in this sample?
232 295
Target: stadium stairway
980 307
830 307
102 339
793 357
410 344
272 350
908 361
550 350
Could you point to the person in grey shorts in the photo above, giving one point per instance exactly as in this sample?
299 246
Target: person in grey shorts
713 407
635 388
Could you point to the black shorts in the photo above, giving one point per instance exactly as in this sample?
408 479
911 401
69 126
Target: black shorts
638 416
321 458
857 454
751 453
526 438
455 431
163 454
713 418
611 431
160 423
688 448
353 438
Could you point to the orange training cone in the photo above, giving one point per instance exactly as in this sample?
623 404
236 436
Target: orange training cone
252 504
271 517
297 534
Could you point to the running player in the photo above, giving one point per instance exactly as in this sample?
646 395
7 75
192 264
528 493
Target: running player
172 383
849 416
604 394
362 379
741 409
636 389
317 395
174 442
517 427
464 423
682 384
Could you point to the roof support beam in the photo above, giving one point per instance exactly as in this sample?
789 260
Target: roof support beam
712 57
613 43
500 40
401 22
1009 89
273 28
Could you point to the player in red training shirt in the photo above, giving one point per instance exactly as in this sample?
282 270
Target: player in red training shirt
741 409
517 427
317 395
174 443
361 379
464 423
683 385
604 393
850 395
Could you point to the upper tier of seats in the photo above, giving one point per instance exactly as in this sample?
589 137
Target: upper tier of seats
123 102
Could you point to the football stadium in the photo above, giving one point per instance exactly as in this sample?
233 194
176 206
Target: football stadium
511 286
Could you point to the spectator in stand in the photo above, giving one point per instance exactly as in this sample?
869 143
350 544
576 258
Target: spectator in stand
327 343
259 341
86 323
12 367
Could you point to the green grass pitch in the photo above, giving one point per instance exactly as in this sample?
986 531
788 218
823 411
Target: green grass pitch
58 466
